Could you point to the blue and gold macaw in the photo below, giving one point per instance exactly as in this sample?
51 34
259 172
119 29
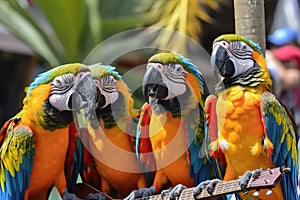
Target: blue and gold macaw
112 154
33 144
253 128
171 127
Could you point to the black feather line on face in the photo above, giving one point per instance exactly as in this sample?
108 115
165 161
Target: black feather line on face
250 78
53 119
109 115
177 104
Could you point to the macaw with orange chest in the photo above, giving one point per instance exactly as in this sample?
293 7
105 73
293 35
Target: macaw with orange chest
114 160
34 142
254 129
171 128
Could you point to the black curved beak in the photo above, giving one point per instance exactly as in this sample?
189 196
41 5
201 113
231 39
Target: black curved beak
100 99
86 90
220 60
153 85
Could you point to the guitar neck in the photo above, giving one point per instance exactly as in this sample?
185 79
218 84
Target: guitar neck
221 188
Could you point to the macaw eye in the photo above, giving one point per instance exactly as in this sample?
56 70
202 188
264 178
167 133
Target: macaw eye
64 80
244 47
58 82
178 69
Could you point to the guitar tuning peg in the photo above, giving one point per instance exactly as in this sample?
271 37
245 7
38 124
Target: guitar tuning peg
271 171
256 193
269 192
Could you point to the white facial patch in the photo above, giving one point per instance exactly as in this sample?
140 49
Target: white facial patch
108 88
62 89
241 55
173 76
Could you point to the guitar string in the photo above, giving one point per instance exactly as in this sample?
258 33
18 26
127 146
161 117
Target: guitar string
225 186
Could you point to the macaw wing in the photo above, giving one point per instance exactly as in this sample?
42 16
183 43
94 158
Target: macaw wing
74 158
89 172
143 144
16 159
200 167
79 161
215 154
280 141
132 130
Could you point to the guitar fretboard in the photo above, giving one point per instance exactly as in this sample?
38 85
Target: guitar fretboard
264 180
221 188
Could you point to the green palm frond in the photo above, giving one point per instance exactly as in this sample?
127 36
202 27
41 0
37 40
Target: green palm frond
63 31
184 16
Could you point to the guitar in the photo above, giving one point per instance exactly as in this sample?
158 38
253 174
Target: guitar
265 180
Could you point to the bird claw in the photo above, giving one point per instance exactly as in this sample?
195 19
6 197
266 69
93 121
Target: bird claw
165 192
245 178
141 193
66 195
209 185
174 192
97 196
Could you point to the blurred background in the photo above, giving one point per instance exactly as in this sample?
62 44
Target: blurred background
36 35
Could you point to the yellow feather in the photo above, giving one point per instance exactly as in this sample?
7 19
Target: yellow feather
295 153
235 93
229 107
9 166
224 133
2 184
229 124
268 145
237 111
250 100
232 149
213 145
237 128
289 141
234 137
256 149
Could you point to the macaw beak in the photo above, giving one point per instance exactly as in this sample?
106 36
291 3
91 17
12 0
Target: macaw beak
84 100
221 62
100 99
153 85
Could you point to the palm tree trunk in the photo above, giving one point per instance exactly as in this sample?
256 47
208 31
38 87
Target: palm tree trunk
250 20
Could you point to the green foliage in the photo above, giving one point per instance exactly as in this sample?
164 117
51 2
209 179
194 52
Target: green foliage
63 31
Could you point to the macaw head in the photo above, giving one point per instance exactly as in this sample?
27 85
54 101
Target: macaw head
113 96
54 94
172 81
236 60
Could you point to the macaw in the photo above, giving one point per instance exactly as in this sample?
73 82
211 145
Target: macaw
253 128
33 144
114 160
170 133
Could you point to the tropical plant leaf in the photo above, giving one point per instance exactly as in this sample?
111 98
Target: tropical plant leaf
20 23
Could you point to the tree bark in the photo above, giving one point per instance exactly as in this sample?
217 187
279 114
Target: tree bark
250 20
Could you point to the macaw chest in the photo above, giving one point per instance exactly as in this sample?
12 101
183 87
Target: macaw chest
116 152
239 120
168 138
49 158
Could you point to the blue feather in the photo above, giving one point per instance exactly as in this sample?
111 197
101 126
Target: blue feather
41 78
194 70
281 156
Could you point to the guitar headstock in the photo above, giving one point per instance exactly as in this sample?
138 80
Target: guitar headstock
267 178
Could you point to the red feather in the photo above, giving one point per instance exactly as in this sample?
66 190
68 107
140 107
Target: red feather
144 146
212 124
